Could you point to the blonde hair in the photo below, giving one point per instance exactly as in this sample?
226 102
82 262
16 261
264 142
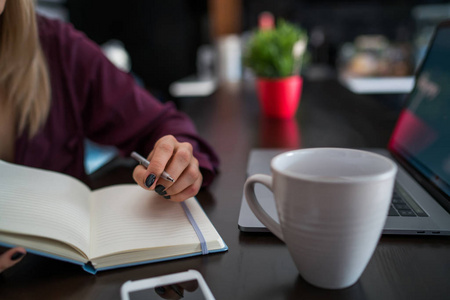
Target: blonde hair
24 77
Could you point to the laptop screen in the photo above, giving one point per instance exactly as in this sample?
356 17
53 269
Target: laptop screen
422 134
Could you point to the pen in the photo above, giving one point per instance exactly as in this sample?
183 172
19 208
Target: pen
146 163
177 290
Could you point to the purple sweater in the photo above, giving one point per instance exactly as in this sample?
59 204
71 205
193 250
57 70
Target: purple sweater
92 99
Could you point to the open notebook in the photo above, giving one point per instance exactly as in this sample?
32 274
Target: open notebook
58 216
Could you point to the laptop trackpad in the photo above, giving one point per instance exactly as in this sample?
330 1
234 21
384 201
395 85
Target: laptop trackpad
247 220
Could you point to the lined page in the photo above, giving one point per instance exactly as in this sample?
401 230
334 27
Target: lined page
128 217
43 203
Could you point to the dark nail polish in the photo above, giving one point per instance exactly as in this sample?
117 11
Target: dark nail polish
150 180
17 255
166 197
160 189
160 290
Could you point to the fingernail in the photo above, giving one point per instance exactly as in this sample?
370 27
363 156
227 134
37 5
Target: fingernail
150 180
160 189
166 197
160 290
17 255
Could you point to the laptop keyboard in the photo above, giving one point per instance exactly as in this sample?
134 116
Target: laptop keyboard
403 205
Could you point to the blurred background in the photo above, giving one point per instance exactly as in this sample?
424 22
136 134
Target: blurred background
187 48
188 41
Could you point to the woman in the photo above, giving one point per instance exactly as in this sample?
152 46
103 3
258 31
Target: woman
57 89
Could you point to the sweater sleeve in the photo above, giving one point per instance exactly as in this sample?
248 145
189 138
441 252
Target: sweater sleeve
116 111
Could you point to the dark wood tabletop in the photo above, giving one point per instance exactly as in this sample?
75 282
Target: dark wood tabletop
257 265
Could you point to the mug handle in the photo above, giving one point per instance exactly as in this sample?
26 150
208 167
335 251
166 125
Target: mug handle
255 206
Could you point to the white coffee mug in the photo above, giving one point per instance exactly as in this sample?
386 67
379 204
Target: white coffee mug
332 204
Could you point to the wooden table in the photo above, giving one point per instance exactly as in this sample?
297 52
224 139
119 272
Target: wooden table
258 266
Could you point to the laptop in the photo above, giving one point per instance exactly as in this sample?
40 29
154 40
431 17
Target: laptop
419 144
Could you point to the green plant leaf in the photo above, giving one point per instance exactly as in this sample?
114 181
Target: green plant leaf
269 53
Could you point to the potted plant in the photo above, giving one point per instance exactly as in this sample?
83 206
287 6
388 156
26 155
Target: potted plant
275 55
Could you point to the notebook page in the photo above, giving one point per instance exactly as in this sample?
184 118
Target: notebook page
43 203
126 217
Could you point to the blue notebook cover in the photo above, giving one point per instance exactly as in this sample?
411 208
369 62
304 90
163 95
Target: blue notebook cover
88 267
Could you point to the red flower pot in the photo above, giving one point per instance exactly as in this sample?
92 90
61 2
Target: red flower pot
279 98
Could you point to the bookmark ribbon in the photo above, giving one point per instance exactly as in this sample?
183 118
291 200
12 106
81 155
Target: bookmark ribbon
196 228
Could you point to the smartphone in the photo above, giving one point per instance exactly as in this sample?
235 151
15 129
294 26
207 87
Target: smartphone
184 285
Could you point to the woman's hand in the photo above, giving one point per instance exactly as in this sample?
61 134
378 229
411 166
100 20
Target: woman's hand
177 160
11 257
